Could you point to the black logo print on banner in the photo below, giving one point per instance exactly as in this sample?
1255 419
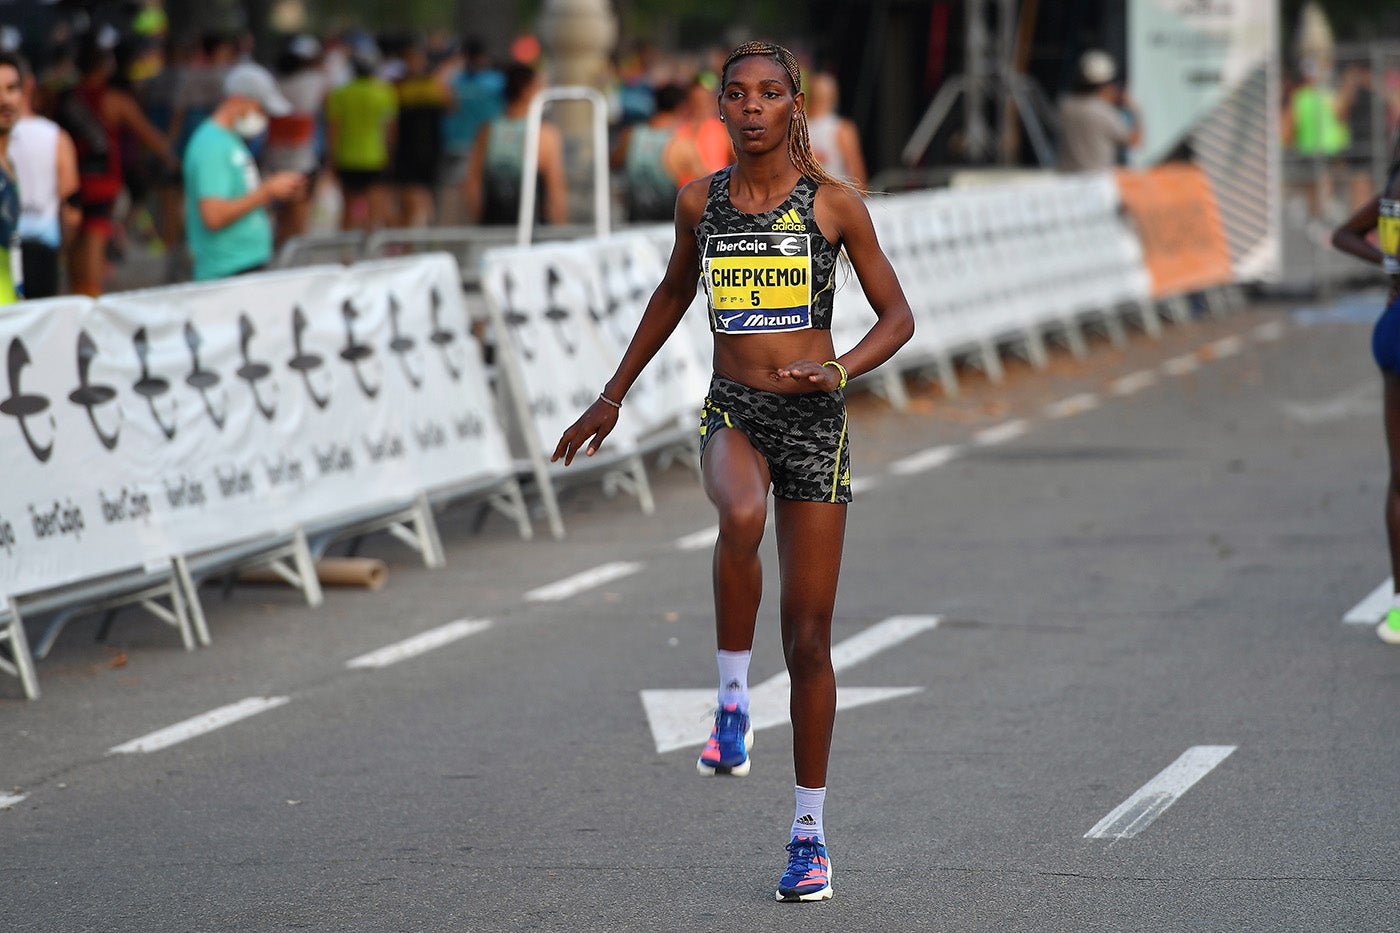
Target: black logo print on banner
252 371
443 338
305 363
151 387
556 313
515 320
402 345
355 352
90 396
607 317
21 406
201 379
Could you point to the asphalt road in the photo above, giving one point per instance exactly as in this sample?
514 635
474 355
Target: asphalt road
1129 576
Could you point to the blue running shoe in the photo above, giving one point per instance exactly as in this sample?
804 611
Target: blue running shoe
727 752
808 875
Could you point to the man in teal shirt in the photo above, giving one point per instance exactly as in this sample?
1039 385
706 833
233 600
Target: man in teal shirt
226 220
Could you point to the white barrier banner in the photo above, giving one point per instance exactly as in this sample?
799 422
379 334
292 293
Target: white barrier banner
562 359
626 270
181 419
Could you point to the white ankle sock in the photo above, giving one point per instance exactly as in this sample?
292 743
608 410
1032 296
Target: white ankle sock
734 678
808 821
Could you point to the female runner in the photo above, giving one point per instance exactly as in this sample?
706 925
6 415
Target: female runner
765 234
1382 214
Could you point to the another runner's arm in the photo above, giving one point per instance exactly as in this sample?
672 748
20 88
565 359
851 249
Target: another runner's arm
1350 237
663 312
895 324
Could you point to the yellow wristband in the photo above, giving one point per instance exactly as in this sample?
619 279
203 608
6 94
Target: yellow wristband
841 369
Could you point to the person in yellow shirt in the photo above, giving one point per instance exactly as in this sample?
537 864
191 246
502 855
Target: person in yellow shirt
361 125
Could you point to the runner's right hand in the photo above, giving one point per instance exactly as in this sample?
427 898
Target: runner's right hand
596 422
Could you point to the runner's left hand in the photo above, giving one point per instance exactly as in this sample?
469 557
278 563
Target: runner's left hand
826 378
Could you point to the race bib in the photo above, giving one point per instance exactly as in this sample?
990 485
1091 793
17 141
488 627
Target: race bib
759 283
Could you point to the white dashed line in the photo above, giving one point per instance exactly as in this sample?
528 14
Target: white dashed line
864 484
1074 405
1181 365
1136 813
9 800
1000 433
1224 347
924 460
199 725
1374 607
1133 382
580 582
1269 330
699 540
419 644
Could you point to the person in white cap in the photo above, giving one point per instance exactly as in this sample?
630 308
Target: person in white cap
1098 119
226 219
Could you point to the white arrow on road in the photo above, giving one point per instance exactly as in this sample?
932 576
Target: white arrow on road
682 718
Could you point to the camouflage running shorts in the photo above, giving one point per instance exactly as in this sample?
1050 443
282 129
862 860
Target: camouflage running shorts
803 437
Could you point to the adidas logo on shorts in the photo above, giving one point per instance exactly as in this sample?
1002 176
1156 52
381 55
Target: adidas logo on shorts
790 221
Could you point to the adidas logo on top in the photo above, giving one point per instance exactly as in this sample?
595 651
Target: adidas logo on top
807 819
790 221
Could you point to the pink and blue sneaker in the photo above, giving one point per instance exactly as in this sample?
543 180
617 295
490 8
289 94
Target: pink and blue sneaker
727 751
808 875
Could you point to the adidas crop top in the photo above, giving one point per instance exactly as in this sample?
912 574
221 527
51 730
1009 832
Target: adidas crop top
765 273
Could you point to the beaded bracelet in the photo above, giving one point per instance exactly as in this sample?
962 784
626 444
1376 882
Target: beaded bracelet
618 405
841 369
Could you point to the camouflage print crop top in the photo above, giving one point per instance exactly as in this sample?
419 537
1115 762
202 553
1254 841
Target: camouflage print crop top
765 273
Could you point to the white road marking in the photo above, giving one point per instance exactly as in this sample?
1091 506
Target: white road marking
1133 382
199 725
682 718
419 644
1374 607
1074 405
1362 400
9 800
925 460
579 582
1136 813
1224 347
1000 433
1269 330
863 484
698 541
1181 365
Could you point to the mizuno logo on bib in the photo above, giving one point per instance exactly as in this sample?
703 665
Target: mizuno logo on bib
759 283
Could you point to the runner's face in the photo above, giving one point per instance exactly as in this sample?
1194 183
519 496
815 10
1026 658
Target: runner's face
758 104
11 93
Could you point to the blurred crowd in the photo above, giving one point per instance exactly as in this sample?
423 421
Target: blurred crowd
379 130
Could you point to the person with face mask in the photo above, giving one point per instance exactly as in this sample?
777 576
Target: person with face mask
226 201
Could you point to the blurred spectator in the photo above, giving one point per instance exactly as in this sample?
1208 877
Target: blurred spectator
636 99
46 165
478 96
1098 119
835 141
95 115
1314 125
202 86
655 162
704 128
493 185
225 200
291 138
158 96
11 96
423 98
360 126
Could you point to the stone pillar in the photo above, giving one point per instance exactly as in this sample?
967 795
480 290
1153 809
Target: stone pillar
578 36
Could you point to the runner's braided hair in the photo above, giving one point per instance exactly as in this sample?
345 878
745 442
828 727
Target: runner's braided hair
799 145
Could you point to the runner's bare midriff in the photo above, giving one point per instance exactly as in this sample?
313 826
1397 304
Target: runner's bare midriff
754 360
